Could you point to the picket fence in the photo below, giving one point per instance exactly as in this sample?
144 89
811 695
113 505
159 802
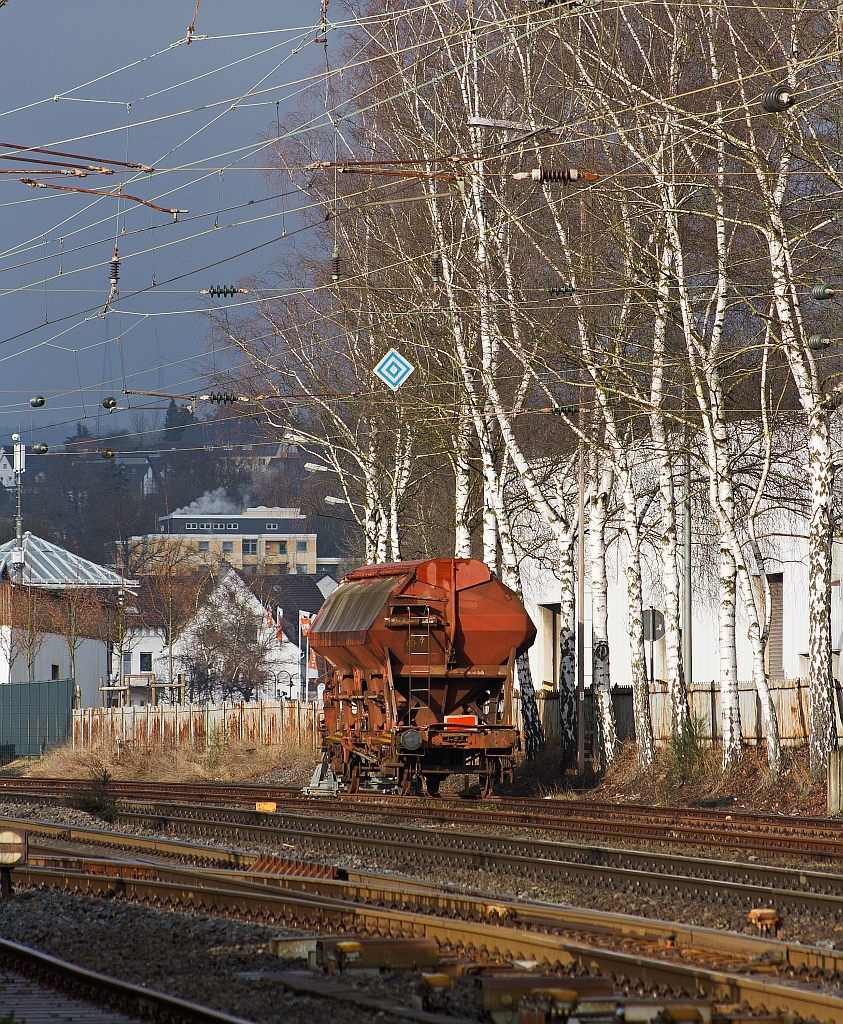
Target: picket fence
166 726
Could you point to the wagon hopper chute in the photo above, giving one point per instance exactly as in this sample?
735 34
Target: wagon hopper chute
422 658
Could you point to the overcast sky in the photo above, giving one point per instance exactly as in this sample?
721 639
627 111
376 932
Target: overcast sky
96 58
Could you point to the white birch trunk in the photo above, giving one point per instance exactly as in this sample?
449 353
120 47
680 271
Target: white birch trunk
462 489
821 716
668 548
567 652
604 711
635 627
533 730
730 712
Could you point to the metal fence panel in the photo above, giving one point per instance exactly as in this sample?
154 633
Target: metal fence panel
34 716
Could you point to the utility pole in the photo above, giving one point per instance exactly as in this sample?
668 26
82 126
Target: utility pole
20 468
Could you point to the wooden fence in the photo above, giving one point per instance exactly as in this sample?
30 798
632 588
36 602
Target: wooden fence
165 726
790 697
274 722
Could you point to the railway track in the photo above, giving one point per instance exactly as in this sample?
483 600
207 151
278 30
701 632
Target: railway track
748 885
635 953
447 848
38 987
379 890
53 848
812 838
493 810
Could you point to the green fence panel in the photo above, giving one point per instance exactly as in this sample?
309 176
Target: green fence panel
34 716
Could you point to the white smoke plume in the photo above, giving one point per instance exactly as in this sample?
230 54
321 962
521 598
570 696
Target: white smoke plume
212 503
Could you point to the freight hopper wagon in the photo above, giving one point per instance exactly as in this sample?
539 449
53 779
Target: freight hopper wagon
423 668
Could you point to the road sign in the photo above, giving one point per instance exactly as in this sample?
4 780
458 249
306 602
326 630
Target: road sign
393 369
653 624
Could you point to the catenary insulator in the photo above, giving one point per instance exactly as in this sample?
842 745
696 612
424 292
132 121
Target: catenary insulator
774 101
436 267
335 264
40 448
555 174
822 291
224 291
114 272
817 342
110 404
561 289
36 401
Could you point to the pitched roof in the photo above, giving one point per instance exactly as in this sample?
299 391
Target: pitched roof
48 565
294 593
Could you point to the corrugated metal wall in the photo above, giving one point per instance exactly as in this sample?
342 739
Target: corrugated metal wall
163 726
34 716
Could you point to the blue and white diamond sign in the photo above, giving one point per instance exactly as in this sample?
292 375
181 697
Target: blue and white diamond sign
393 369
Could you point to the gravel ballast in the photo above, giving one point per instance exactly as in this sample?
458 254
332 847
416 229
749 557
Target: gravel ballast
213 961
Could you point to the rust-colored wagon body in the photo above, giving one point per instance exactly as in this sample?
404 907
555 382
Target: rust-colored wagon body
423 662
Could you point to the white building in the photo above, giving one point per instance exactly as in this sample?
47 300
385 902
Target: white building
7 472
48 567
787 648
145 658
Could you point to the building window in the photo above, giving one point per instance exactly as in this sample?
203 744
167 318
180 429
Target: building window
219 527
282 547
232 526
204 526
250 547
228 547
54 672
146 661
190 526
301 545
127 663
272 526
301 568
204 545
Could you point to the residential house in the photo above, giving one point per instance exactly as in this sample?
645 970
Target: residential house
55 582
7 471
147 663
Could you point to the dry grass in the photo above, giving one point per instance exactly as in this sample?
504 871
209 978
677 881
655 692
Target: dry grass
287 764
698 779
